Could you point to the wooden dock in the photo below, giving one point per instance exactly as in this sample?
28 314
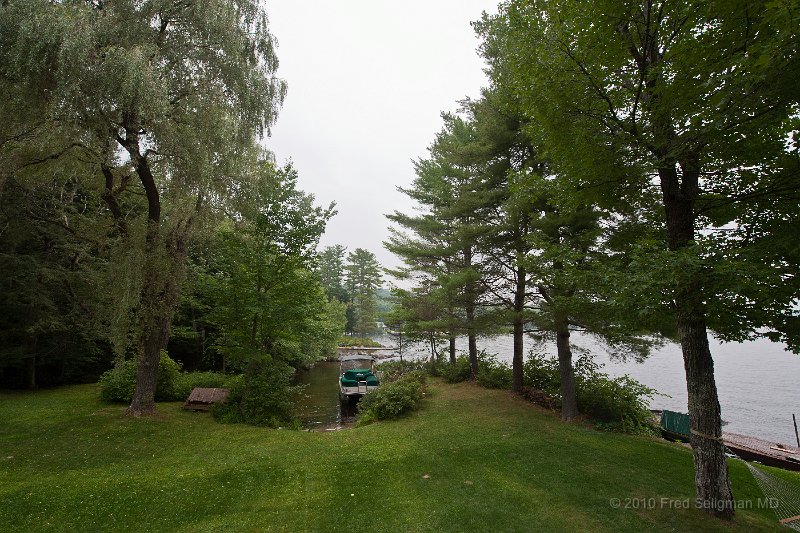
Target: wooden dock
764 451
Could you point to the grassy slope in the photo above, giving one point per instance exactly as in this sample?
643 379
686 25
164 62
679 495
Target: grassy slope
494 463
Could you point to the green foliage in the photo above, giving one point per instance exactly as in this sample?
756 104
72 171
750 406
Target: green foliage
456 373
118 384
141 116
330 267
541 373
493 374
256 279
363 278
618 404
264 397
391 400
366 342
391 371
169 373
621 104
51 312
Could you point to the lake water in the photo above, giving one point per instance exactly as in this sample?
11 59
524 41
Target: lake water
318 404
758 381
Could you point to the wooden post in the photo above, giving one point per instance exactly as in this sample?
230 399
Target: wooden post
796 436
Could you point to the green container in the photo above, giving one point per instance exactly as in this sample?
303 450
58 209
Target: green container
677 423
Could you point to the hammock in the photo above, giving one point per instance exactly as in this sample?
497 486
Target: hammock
784 497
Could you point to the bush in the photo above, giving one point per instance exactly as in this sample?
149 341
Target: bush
119 383
169 372
541 373
391 371
619 404
262 397
456 373
392 400
492 373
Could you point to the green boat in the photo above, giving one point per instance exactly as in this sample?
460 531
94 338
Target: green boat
357 376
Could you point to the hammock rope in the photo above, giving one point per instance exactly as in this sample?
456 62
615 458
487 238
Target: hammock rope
784 496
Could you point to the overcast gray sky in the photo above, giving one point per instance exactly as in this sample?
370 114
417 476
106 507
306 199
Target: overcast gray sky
367 82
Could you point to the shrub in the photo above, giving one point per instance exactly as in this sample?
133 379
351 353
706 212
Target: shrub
262 397
619 404
456 373
392 400
492 373
119 383
169 372
541 373
391 371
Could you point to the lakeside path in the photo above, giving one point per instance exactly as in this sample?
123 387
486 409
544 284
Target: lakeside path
471 460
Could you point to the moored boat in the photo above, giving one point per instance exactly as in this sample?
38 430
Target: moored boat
357 376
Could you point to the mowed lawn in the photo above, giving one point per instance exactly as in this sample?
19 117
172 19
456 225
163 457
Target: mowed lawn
472 460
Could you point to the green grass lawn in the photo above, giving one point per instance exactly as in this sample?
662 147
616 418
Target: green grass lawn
472 460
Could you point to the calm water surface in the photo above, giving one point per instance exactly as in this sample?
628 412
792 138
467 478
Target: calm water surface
318 404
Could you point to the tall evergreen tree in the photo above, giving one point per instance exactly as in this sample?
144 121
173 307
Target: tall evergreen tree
331 269
363 274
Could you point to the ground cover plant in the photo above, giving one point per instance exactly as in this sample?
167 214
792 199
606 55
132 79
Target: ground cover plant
474 459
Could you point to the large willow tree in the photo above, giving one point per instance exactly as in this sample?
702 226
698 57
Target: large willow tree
151 98
697 100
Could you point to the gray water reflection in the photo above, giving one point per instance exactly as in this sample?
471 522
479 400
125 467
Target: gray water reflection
758 381
318 405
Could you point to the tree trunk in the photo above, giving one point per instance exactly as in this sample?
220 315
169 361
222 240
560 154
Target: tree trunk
452 349
519 305
400 343
30 372
569 397
517 361
473 353
711 468
158 303
469 309
163 265
432 340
